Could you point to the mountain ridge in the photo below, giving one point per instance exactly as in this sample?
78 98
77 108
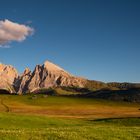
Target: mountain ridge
50 75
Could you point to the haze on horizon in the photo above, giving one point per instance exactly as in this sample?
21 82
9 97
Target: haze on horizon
96 39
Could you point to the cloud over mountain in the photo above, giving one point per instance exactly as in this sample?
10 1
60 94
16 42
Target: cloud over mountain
11 31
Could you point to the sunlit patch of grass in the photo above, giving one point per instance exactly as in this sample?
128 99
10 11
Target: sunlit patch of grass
68 106
23 127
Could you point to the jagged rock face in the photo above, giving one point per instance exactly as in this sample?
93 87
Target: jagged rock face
44 76
48 75
8 74
22 81
37 78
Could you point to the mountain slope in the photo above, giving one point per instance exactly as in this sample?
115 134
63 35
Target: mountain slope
46 76
129 95
50 75
8 74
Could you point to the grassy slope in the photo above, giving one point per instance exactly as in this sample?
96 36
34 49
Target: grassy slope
67 118
25 127
70 107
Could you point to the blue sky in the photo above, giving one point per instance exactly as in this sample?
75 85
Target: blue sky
96 39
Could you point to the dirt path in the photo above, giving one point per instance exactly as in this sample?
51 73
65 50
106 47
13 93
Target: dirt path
7 109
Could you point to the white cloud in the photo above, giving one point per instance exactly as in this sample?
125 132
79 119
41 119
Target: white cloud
11 31
5 46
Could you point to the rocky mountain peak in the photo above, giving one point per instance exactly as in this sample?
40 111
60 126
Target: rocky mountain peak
8 70
43 76
8 74
52 67
2 66
26 71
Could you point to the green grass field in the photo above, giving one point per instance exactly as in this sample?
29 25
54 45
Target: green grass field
39 117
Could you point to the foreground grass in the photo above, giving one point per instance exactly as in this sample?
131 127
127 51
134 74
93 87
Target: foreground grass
63 118
25 127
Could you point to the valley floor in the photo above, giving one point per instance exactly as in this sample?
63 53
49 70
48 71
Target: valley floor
41 117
